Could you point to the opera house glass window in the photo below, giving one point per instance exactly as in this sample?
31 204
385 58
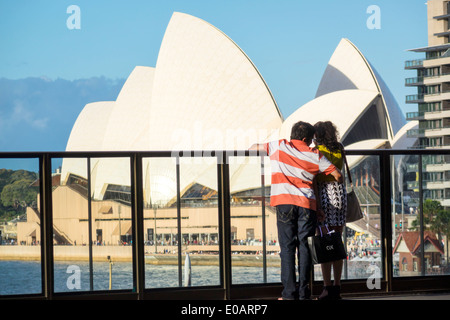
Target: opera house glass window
92 225
20 256
421 219
181 222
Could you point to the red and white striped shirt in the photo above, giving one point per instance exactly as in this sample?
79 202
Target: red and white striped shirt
294 166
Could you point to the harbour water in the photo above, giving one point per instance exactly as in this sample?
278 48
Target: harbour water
24 277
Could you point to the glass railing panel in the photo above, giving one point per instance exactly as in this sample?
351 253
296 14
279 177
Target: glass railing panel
70 225
111 219
254 253
20 233
362 238
160 222
405 208
414 63
412 115
414 97
273 247
421 228
435 217
199 221
415 80
93 232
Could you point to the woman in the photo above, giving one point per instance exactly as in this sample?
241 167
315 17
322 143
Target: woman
333 201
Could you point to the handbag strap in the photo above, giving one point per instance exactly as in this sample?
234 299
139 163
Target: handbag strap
346 165
328 230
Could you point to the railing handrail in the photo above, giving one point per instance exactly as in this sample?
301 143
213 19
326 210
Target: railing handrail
181 153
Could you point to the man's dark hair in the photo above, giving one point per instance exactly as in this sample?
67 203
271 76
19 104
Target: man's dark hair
302 130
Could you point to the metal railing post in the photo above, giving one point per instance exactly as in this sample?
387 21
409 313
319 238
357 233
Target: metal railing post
138 225
91 262
224 223
422 244
386 217
46 226
180 269
263 213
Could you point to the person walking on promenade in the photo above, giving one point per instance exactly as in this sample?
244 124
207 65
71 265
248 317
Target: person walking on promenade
332 200
294 165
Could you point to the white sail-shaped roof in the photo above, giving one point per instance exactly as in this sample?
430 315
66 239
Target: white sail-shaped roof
87 135
206 94
346 69
209 89
127 127
353 96
203 94
343 108
349 69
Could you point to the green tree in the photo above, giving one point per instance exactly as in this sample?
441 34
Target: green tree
435 218
18 194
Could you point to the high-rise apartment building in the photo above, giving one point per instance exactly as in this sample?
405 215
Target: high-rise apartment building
433 99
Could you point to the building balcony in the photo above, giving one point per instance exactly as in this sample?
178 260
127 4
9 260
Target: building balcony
435 79
433 62
437 167
436 185
414 115
442 34
414 133
412 185
442 17
428 115
412 167
409 82
427 146
414 98
428 185
435 97
414 64
431 132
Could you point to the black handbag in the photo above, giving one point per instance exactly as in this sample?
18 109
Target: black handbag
354 212
326 247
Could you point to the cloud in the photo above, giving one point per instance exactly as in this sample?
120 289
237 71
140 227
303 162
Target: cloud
21 115
37 114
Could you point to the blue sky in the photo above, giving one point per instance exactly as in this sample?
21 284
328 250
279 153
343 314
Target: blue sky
289 41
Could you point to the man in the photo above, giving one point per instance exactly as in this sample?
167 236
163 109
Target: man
294 166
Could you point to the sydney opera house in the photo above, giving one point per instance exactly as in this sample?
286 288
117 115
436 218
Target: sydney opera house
205 94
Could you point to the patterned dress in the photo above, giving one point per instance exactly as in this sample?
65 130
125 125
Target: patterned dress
332 194
333 197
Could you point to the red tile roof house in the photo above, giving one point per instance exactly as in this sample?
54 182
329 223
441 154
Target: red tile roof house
408 246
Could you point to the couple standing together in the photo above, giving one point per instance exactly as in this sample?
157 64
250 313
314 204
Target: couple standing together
307 188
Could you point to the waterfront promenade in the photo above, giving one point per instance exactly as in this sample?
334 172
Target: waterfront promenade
166 255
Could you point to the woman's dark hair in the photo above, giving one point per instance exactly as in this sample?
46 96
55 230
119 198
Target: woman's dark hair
302 130
327 135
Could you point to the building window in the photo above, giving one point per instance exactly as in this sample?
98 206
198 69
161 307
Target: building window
404 264
430 107
433 89
99 233
150 235
250 234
